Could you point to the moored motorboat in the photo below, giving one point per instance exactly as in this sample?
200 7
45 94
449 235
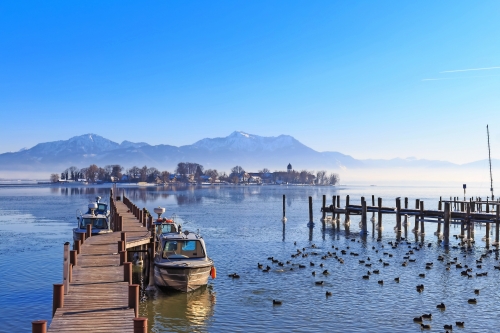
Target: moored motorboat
181 262
96 217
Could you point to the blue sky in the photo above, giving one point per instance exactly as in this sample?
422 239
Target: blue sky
347 76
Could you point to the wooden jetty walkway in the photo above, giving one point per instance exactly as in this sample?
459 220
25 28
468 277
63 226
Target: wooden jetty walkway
454 211
97 294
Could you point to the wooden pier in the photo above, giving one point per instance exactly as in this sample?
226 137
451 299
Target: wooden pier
454 211
97 294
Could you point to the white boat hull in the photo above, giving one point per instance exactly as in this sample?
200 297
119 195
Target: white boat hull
181 277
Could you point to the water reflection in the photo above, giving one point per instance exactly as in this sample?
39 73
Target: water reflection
179 312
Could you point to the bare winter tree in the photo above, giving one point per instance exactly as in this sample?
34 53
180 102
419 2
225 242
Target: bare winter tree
213 174
165 176
54 178
333 179
321 178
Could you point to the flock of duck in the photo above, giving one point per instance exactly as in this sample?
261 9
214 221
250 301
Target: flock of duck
381 253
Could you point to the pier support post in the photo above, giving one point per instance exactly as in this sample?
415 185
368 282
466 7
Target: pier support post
446 230
121 246
347 218
127 272
469 234
123 237
379 235
88 233
398 217
417 206
338 214
120 223
311 222
141 325
82 237
422 216
364 229
497 226
78 246
66 264
39 326
151 284
133 298
284 210
323 214
73 257
123 257
58 298
440 207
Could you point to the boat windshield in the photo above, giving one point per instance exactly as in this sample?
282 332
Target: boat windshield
165 228
181 249
102 207
96 223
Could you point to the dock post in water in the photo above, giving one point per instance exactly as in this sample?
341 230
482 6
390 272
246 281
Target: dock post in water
373 205
58 298
497 226
66 263
284 210
446 230
422 217
141 325
364 229
323 214
311 223
398 217
347 218
127 272
379 228
133 298
39 326
417 207
469 235
440 207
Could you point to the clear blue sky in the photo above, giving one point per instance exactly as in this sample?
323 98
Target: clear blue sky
346 76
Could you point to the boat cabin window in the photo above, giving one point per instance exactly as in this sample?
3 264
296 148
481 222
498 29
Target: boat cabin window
165 228
96 223
180 249
102 207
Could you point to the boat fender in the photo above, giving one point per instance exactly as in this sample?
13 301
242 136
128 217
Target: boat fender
169 221
213 272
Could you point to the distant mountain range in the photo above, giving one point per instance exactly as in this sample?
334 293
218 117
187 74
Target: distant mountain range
252 152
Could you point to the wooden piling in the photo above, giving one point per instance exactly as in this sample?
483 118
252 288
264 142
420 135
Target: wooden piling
73 257
446 230
58 297
78 246
469 235
364 228
284 208
39 326
417 206
88 232
66 264
123 257
347 218
379 211
311 210
121 246
127 272
497 226
140 325
422 216
440 207
323 216
398 216
133 298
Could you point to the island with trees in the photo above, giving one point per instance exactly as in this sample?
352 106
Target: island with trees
192 173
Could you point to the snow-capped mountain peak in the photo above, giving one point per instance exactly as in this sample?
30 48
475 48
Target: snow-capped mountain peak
243 141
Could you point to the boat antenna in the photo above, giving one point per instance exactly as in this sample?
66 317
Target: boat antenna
489 156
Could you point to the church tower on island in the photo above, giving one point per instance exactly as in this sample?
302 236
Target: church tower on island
289 167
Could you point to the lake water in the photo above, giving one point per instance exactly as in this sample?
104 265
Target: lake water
242 226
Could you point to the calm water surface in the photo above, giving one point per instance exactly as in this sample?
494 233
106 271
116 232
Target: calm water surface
241 226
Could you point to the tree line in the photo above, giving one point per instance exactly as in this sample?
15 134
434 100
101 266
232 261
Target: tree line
192 172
